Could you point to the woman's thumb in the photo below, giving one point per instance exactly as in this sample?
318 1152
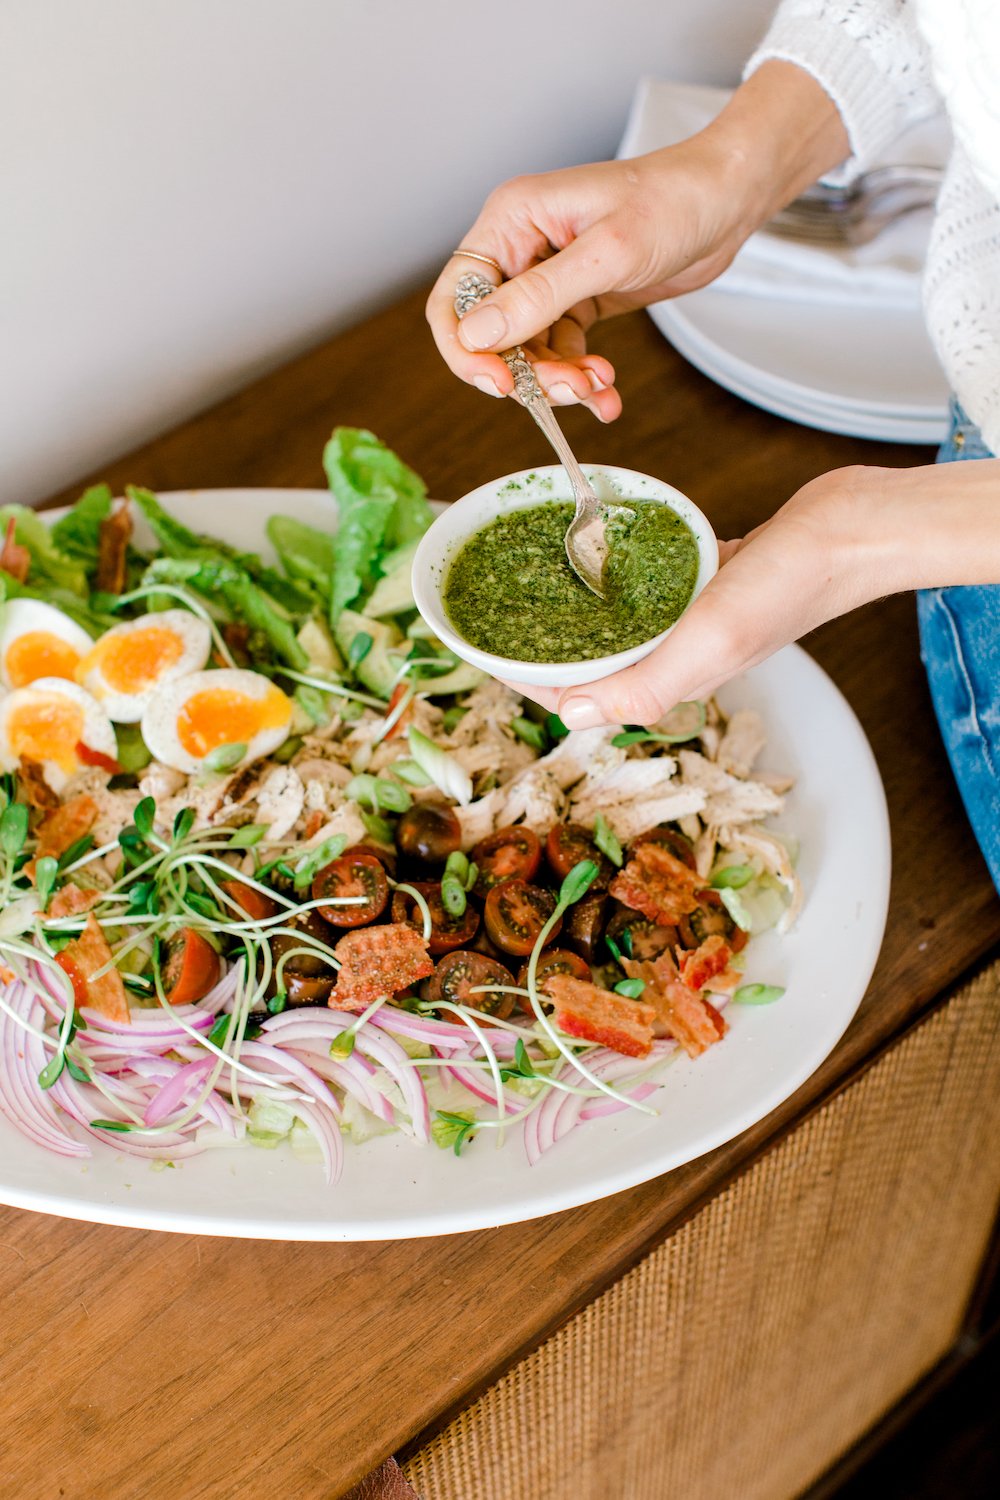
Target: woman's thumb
522 308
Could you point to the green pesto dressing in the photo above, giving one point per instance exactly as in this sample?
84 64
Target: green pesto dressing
511 591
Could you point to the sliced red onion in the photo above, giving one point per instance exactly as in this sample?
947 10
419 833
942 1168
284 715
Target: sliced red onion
22 1057
598 1108
349 1074
477 1084
171 1095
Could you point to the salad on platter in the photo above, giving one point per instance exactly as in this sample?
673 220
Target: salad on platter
276 866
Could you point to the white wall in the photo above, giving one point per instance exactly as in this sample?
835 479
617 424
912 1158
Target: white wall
193 190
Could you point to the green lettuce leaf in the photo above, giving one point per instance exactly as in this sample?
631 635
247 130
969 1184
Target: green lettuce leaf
77 533
305 553
225 583
382 505
48 562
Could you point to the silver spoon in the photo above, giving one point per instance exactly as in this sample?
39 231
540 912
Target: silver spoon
586 542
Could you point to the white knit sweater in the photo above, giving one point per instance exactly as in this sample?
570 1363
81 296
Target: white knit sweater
885 64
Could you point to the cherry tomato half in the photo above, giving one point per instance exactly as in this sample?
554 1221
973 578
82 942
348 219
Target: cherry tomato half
668 838
585 925
385 857
649 939
352 875
447 932
428 833
191 968
709 918
516 912
508 854
457 978
256 905
554 961
304 973
568 844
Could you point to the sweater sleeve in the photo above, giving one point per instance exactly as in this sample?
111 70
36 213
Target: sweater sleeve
869 57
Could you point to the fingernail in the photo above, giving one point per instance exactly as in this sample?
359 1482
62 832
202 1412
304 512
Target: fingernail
561 394
595 384
486 385
580 713
482 327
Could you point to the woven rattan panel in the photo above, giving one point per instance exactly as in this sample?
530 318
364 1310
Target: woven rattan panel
755 1346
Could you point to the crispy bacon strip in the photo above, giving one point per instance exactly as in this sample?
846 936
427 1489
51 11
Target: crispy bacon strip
680 1012
72 900
60 829
14 559
595 1015
378 961
112 549
697 967
658 884
36 789
81 958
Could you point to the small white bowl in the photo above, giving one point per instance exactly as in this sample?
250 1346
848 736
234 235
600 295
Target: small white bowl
516 492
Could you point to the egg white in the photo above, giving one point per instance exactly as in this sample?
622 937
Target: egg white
96 731
23 617
128 707
160 721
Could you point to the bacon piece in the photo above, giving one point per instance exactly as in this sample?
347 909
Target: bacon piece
81 958
378 961
72 900
97 758
658 884
14 559
595 1015
236 634
314 823
707 960
680 1012
60 829
112 549
36 789
399 692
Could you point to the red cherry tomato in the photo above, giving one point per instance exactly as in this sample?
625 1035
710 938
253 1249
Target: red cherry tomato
516 912
428 833
459 977
191 968
447 932
668 838
508 854
568 844
256 905
352 875
709 919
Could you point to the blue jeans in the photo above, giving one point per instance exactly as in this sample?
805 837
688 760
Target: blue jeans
960 646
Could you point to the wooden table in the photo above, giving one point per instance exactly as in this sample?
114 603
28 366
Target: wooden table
140 1364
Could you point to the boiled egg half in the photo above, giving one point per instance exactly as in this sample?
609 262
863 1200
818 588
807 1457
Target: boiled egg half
131 662
38 640
194 721
57 724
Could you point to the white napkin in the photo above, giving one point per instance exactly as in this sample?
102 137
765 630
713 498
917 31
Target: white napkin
886 272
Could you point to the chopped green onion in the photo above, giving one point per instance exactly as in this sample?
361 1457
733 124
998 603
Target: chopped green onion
732 877
531 733
411 773
607 841
614 949
379 829
453 895
630 988
452 718
758 994
556 728
733 902
447 773
391 796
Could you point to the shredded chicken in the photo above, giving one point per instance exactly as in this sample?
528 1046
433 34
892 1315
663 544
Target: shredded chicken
742 742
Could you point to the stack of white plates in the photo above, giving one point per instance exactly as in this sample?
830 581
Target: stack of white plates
860 365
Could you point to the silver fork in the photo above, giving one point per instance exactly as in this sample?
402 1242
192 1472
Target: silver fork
859 212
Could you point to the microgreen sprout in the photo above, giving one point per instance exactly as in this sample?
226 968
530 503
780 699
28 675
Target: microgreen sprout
359 648
732 877
453 1130
531 733
46 873
607 841
555 726
630 988
695 713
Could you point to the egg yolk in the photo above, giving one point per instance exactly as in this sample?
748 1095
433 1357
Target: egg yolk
219 716
39 653
134 660
47 728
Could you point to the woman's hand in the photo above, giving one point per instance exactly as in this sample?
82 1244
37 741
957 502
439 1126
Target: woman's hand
850 536
588 242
